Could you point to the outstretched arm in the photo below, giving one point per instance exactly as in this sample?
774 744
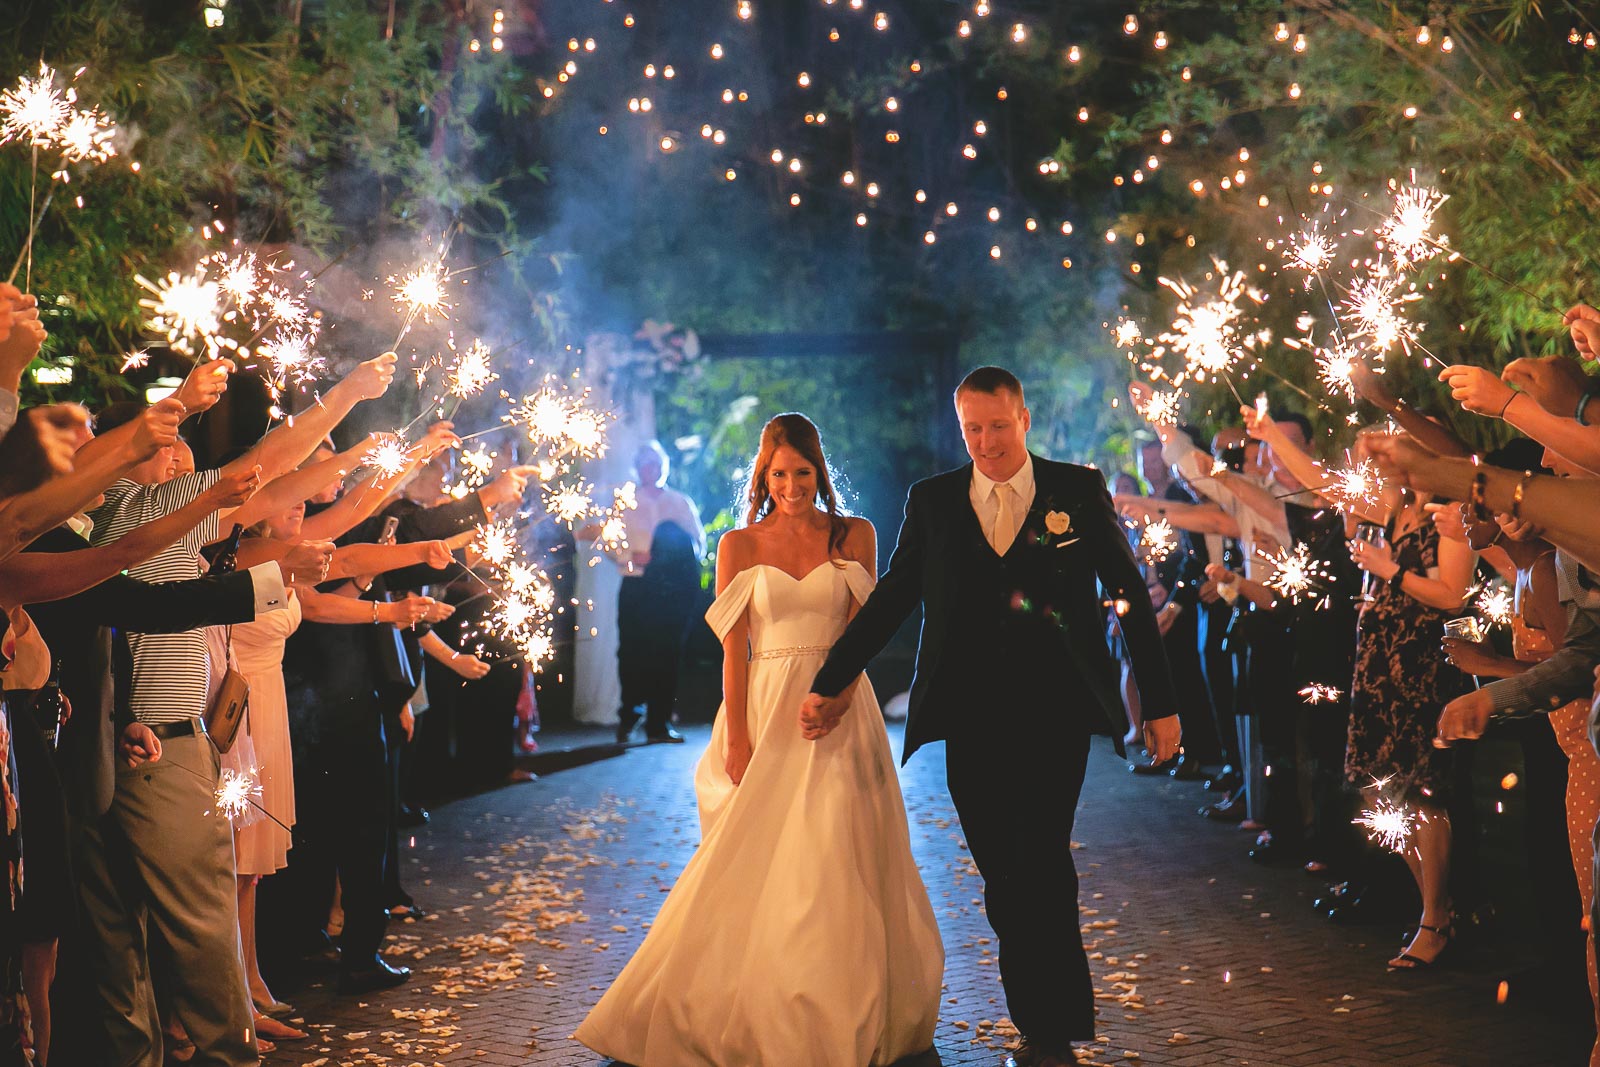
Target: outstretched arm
291 441
32 578
1196 518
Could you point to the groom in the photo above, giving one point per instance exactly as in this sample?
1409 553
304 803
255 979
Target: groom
1014 560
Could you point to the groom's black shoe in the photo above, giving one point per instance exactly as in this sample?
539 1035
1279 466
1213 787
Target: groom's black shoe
664 736
627 719
369 976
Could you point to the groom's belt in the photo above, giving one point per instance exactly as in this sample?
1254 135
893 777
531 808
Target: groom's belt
793 650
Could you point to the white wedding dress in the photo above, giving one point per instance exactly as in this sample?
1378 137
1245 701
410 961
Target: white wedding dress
800 932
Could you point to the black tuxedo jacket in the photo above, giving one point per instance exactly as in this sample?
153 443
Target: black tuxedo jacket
78 631
1008 640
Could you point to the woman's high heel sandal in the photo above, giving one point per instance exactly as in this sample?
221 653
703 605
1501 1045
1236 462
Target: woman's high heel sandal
1407 962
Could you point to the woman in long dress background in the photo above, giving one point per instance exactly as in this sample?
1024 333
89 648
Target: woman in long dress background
800 929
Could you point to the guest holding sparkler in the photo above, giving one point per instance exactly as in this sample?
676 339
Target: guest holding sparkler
21 336
1401 678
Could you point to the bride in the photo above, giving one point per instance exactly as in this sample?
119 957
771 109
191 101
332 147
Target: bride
800 930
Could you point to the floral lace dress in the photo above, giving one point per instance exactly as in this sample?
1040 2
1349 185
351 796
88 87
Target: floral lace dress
1402 682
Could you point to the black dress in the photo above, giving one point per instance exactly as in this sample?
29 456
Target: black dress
1402 682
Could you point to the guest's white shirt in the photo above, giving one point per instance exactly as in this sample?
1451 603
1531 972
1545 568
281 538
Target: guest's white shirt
987 506
641 522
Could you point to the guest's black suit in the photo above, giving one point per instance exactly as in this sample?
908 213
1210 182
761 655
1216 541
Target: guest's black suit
1014 673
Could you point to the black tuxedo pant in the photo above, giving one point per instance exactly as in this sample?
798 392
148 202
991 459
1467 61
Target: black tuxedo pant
1017 796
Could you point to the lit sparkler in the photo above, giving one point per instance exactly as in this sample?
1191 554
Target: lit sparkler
1496 605
1296 574
1309 250
1375 306
1158 540
1127 333
568 501
1207 332
390 457
135 360
497 543
1334 368
34 110
1164 409
1317 693
1388 824
472 372
1405 230
290 358
1357 484
185 308
235 793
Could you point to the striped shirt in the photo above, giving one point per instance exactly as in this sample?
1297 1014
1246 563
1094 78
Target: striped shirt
171 672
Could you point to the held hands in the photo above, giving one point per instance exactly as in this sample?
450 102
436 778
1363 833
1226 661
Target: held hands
1401 459
205 385
1374 559
371 379
467 666
1368 384
1451 522
439 612
1162 737
307 562
1477 389
1464 717
1583 336
1556 382
61 430
408 720
1471 657
139 744
737 760
410 611
158 427
232 490
440 436
1257 423
819 715
437 554
508 487
1519 529
26 335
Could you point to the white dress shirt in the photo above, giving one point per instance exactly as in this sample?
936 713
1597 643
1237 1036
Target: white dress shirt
987 506
1196 467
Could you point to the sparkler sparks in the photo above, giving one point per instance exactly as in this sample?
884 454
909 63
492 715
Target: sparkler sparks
1309 250
1375 306
1207 333
569 501
34 110
135 360
422 293
235 793
1358 484
1405 231
186 308
1388 824
1127 333
390 456
1496 605
497 543
1158 540
1297 574
472 372
561 424
1334 367
1317 693
290 358
1164 409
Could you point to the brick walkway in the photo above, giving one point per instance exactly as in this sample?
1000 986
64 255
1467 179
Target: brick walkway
542 891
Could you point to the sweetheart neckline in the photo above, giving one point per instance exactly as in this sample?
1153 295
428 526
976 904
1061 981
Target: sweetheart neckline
809 573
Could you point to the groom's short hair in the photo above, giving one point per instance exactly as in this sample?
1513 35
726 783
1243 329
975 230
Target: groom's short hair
991 380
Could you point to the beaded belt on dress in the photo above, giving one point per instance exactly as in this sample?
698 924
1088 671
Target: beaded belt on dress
796 650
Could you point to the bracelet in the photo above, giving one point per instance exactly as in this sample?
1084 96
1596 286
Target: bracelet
1583 402
1516 497
1507 405
1480 509
374 612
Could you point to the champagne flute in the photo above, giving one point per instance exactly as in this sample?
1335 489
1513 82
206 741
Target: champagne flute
1466 628
1375 535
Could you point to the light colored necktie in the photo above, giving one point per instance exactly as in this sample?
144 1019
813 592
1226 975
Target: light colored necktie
1005 527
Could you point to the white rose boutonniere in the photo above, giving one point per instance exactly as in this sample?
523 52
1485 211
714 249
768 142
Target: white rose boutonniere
1059 524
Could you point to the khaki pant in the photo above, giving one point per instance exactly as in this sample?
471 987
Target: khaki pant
158 867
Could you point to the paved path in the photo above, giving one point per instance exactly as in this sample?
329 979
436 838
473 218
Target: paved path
542 891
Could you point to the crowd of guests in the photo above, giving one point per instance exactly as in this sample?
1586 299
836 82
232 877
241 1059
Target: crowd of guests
139 920
1337 664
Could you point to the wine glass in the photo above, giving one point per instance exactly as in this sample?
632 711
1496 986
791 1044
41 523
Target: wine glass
1466 628
1375 535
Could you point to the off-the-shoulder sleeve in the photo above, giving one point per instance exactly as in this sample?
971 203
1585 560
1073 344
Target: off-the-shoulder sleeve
860 582
731 603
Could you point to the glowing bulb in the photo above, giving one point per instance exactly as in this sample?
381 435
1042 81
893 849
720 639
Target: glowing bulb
1130 24
994 214
1161 39
980 127
1281 34
891 104
745 10
1187 74
1066 229
872 188
667 144
1019 33
1424 35
848 178
1294 90
1447 45
794 200
969 151
964 28
951 209
921 196
1410 111
777 155
861 219
1074 54
1299 42
994 251
1083 114
880 21
1197 186
716 51
730 174
929 237
804 80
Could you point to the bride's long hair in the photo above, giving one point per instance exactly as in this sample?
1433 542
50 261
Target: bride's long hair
799 433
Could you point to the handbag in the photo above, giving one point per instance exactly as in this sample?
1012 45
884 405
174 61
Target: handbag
227 708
